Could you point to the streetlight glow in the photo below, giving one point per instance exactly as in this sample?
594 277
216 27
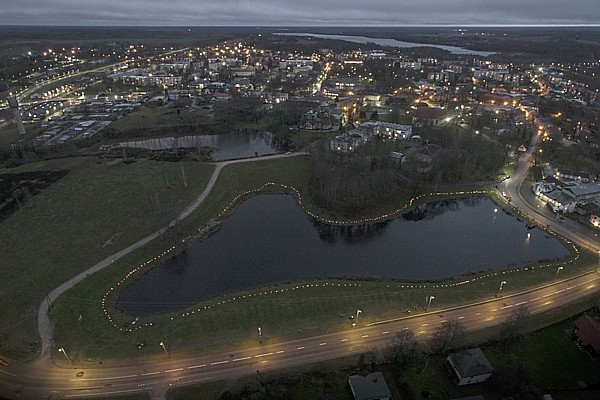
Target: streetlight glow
356 319
429 298
500 289
62 350
162 344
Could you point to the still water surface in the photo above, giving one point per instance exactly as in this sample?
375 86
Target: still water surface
390 43
269 240
227 146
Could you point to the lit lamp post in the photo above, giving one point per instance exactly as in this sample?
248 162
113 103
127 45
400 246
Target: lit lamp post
500 289
62 350
356 319
429 298
259 334
557 271
162 344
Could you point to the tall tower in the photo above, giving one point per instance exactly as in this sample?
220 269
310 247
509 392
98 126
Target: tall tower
14 108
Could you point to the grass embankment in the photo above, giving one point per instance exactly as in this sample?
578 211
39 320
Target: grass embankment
545 361
94 211
311 307
150 121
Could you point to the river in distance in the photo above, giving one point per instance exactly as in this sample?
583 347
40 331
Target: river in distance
390 43
269 240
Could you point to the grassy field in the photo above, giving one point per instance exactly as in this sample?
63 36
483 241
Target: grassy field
95 210
99 208
313 307
149 121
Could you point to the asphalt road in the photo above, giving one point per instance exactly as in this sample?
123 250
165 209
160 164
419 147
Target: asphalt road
42 379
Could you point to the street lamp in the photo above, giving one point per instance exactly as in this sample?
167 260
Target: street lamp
259 334
356 319
500 289
557 271
62 350
429 298
162 344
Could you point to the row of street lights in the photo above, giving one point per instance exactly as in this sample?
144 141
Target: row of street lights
429 299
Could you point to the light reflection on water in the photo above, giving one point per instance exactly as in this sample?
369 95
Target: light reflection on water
269 240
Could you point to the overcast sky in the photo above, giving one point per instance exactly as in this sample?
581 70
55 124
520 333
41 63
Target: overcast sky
299 12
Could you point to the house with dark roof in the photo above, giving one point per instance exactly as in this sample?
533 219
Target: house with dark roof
587 333
469 366
370 386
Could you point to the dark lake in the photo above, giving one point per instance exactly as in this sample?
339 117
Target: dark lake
227 146
269 240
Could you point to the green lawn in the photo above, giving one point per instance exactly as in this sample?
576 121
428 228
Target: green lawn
95 210
282 310
99 208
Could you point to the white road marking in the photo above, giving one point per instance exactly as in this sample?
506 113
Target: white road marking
322 344
385 332
461 317
111 377
103 393
192 381
548 295
509 306
263 355
300 348
240 359
365 336
7 373
174 370
281 351
559 291
197 366
219 362
151 373
344 340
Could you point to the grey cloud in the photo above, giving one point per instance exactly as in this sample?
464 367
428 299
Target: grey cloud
299 12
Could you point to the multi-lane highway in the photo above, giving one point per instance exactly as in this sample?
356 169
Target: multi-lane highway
42 379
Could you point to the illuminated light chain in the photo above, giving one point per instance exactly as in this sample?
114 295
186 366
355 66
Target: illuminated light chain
298 197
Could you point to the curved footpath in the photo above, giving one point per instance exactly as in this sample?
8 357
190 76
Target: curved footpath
43 380
46 326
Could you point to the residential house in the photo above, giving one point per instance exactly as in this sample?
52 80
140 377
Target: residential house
583 193
369 386
469 366
587 333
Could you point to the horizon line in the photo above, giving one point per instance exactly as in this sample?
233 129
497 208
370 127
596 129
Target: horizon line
259 26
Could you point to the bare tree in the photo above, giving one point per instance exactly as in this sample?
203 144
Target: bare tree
403 348
514 326
449 335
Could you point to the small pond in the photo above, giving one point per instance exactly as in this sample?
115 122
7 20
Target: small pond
270 240
228 146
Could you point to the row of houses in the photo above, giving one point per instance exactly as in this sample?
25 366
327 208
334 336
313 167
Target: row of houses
355 138
562 195
465 367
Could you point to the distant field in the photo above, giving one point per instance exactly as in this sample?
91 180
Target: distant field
95 210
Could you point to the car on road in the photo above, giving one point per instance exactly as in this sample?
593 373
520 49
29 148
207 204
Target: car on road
2 362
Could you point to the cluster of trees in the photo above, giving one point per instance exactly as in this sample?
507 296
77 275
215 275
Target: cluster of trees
467 157
353 185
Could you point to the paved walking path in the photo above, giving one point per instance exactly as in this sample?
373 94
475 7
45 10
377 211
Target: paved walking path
46 325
